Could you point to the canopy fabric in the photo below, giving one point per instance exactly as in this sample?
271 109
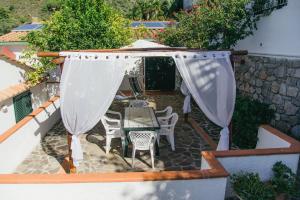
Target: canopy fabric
88 86
210 80
90 81
187 100
144 44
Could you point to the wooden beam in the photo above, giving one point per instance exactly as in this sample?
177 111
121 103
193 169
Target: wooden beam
71 164
137 50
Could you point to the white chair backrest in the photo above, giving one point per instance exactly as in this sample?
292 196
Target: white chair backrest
173 121
169 110
142 139
105 123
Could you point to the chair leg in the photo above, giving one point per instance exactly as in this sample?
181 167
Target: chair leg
171 140
123 145
133 156
108 141
152 155
158 138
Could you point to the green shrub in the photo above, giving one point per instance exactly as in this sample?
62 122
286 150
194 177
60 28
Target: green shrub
247 117
284 181
248 186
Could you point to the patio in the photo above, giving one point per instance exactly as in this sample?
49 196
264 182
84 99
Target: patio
49 156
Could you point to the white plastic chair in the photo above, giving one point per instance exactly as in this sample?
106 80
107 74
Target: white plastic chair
143 140
168 129
138 103
113 128
162 115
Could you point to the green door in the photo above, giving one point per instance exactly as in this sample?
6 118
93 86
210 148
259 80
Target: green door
160 73
22 105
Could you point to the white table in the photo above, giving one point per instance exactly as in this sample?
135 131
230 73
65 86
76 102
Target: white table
140 119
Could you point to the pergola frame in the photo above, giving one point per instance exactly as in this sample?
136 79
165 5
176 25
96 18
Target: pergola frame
59 60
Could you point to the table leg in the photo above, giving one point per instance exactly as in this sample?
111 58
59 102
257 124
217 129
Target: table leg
126 145
156 148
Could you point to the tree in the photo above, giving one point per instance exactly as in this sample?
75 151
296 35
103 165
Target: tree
79 24
214 24
82 24
153 9
7 22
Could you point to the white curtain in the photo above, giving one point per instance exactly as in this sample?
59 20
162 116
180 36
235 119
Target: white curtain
187 100
88 86
210 80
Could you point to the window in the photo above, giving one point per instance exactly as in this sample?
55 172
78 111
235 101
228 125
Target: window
22 105
262 7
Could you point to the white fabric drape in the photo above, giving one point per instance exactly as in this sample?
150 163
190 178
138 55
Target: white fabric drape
187 100
210 80
87 89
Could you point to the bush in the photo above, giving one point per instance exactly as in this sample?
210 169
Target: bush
284 181
247 117
82 24
248 186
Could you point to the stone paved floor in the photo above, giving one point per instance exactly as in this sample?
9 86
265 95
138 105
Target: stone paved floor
49 155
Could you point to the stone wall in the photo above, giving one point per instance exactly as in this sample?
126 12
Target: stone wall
275 81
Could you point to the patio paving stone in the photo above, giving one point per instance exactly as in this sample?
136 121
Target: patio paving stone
48 156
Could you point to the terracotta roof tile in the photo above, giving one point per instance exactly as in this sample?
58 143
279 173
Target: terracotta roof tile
14 36
15 62
13 91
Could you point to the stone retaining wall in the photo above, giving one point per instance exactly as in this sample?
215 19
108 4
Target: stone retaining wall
275 81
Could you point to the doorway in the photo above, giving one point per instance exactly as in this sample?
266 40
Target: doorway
160 73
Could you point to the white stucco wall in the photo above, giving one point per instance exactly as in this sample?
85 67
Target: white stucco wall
212 189
7 115
39 95
14 149
277 34
10 74
268 140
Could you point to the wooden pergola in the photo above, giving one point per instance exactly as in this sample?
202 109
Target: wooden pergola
59 60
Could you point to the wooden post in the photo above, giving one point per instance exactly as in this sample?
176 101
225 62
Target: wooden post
71 164
72 167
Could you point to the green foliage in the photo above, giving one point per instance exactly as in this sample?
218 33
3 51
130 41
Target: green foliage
214 24
7 22
284 181
247 117
248 186
153 9
49 7
42 67
82 24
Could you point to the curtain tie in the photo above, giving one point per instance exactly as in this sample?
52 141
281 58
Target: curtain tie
187 104
77 153
224 139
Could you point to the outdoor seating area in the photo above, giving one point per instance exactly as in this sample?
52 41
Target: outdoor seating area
105 146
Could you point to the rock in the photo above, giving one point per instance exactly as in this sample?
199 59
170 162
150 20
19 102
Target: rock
296 131
258 91
259 83
280 72
271 78
275 87
292 91
290 109
277 99
297 73
263 75
282 89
